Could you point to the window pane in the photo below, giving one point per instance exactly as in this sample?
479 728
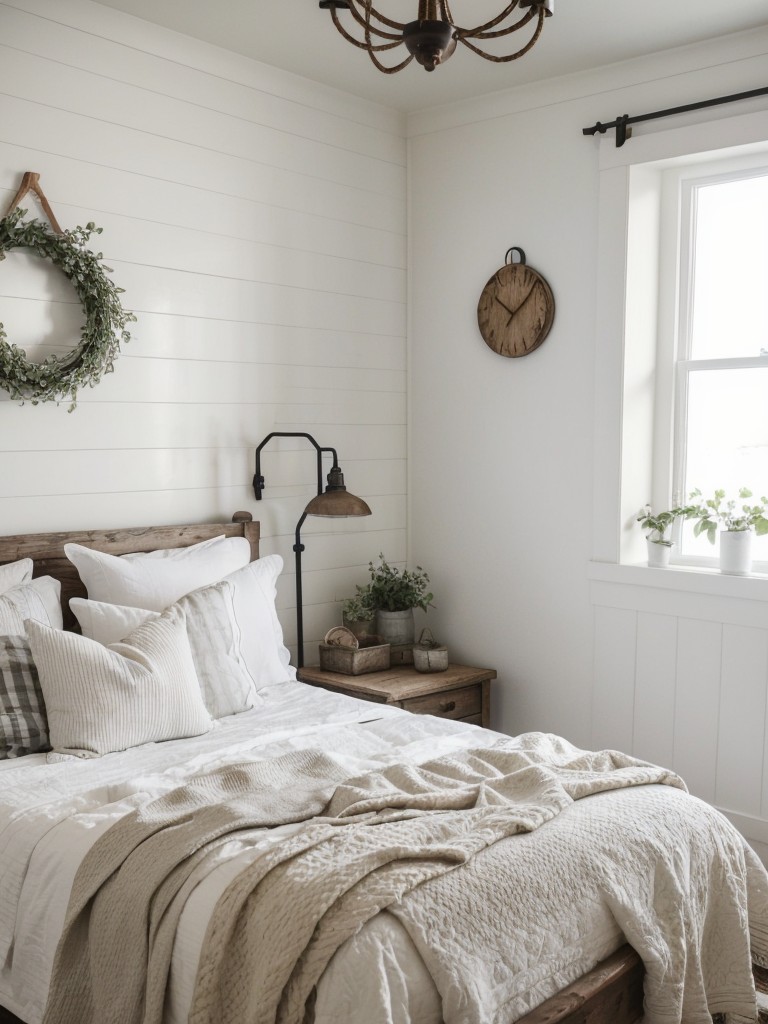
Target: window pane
730 298
727 442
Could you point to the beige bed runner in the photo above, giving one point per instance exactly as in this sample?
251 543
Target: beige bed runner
379 839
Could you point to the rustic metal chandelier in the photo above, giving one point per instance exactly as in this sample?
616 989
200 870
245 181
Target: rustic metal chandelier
433 37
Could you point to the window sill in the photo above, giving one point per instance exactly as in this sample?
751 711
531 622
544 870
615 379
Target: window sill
690 579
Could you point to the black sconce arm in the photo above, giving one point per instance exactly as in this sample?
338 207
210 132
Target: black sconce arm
258 479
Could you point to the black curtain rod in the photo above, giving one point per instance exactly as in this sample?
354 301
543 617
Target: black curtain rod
624 132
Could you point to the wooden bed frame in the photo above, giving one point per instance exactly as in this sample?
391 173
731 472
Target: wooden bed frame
612 993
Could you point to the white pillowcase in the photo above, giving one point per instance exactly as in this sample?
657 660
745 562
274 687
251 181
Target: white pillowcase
101 699
261 646
39 599
14 573
214 639
155 579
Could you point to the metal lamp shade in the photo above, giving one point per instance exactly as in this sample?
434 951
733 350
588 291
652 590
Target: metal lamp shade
336 501
337 504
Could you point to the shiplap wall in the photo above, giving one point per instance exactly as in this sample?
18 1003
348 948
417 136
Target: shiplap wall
257 223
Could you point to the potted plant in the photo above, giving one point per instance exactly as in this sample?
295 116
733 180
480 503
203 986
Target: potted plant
395 594
657 524
737 522
358 612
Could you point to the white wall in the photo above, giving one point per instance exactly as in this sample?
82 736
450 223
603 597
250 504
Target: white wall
257 223
502 451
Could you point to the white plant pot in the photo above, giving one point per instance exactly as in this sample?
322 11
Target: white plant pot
395 627
658 554
736 552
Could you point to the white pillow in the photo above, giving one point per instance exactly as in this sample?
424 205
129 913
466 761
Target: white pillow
101 699
39 599
155 579
214 639
13 573
261 646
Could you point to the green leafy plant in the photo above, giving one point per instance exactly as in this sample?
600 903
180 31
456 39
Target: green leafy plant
395 591
359 608
730 515
657 524
104 329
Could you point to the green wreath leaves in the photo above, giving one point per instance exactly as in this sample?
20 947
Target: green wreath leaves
105 319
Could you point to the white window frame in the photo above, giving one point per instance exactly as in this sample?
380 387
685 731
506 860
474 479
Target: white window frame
679 193
627 406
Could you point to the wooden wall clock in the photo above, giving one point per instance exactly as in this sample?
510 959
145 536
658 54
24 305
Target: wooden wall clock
516 308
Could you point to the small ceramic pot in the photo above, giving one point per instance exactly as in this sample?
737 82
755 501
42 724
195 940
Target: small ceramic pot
658 554
736 552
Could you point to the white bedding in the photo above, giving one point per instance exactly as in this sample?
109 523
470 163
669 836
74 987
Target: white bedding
50 814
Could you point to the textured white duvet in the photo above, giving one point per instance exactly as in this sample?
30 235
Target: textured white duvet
50 814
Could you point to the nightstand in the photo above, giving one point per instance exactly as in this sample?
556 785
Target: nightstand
461 692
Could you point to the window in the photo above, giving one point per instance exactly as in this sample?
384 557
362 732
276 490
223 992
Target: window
716 349
681 384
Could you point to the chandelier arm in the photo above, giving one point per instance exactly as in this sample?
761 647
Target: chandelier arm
478 33
512 56
488 24
356 42
377 63
384 68
360 17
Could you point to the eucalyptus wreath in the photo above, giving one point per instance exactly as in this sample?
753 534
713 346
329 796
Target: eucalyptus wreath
59 377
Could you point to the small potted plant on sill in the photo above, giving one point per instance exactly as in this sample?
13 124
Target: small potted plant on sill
358 612
657 524
737 523
395 594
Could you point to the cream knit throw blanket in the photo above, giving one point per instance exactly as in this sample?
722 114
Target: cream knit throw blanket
382 840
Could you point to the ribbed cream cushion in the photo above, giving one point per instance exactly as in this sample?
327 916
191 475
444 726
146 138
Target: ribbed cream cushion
101 699
214 639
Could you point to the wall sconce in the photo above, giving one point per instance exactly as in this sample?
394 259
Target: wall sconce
335 502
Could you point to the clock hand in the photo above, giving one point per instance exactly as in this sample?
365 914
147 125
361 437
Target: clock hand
510 311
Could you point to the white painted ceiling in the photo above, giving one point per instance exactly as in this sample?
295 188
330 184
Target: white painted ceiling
297 36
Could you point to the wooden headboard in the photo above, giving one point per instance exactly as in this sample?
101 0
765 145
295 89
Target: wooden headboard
47 549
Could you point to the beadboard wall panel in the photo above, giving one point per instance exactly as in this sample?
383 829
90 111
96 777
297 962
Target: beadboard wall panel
257 224
681 679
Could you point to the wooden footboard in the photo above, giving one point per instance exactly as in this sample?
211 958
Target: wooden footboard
612 993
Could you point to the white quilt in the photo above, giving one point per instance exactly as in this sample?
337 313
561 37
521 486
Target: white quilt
51 814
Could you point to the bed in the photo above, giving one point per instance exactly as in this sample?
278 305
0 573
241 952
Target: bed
52 811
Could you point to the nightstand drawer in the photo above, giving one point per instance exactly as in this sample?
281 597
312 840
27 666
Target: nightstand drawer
459 703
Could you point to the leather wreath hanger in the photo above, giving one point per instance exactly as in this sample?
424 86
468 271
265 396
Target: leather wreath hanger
31 183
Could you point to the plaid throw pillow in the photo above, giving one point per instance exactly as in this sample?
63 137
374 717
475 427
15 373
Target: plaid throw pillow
23 725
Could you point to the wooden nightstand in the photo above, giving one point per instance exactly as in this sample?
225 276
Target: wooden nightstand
461 692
